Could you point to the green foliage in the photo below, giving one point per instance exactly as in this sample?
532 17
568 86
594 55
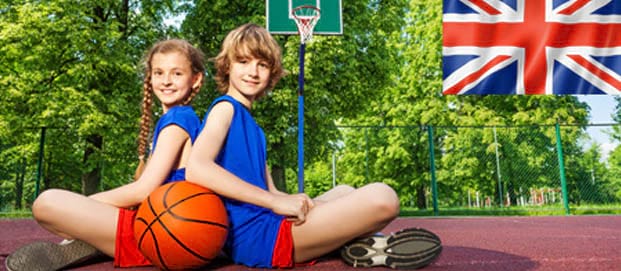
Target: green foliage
318 179
614 171
395 148
517 211
16 214
343 74
371 96
73 69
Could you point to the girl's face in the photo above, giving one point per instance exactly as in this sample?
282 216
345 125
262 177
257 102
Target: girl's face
248 78
172 78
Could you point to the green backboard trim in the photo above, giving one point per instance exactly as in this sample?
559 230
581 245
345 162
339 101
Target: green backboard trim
279 20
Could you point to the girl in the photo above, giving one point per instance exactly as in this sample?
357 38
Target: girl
269 228
103 222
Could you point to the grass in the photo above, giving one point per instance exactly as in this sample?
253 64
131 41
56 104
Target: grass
16 214
551 210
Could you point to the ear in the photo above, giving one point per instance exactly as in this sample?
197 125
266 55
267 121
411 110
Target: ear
198 78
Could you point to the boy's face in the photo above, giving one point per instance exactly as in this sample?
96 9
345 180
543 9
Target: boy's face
172 78
248 78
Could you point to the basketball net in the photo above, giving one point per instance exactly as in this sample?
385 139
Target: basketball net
306 17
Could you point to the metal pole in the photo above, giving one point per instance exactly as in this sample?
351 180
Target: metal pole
334 169
561 165
498 170
432 168
301 121
366 156
103 164
40 162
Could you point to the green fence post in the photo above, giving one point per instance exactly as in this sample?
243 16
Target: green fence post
432 168
561 165
366 156
40 162
498 173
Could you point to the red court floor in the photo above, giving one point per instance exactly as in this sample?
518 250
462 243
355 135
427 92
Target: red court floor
470 243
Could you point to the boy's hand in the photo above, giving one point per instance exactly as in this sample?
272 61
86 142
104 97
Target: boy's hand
294 207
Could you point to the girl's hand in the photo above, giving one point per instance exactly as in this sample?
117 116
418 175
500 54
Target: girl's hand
294 207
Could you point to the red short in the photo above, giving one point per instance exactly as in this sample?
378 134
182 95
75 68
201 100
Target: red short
283 249
126 252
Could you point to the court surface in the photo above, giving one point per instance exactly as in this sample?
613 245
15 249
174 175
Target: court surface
470 243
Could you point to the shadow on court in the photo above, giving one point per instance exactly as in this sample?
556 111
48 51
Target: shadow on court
470 243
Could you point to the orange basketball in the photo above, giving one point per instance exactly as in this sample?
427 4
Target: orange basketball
181 226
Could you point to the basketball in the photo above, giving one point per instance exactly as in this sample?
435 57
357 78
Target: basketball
181 226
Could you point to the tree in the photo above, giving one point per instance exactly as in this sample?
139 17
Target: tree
401 156
73 68
343 73
614 160
614 171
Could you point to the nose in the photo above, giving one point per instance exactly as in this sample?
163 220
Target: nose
167 79
253 68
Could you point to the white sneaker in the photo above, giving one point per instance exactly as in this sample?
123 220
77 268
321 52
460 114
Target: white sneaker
48 256
410 248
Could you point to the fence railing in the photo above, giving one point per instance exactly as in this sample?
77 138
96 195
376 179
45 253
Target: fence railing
555 168
562 168
53 157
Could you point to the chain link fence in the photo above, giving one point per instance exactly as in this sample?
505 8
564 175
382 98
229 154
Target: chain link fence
550 169
559 169
50 157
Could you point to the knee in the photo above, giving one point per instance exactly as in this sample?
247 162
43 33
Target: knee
44 204
385 200
344 188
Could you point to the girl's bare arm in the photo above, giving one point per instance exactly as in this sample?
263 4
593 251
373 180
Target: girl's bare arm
164 159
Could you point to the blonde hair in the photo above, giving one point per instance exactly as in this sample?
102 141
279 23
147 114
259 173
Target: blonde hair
248 40
196 58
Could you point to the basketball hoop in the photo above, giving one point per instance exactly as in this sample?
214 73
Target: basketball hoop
306 17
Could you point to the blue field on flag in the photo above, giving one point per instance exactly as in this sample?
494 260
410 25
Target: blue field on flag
531 47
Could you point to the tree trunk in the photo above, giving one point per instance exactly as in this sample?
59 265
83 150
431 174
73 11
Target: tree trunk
19 184
278 175
421 199
92 178
47 181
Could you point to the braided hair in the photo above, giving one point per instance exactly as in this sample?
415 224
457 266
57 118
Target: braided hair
196 58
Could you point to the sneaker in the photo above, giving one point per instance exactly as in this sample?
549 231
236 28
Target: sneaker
48 256
410 248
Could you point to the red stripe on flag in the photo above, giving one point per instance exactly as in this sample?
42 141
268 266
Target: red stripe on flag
476 75
485 6
596 71
573 7
533 34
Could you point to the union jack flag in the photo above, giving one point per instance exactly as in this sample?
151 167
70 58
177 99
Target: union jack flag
531 47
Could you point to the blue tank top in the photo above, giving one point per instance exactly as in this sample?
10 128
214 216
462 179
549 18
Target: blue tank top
253 230
184 117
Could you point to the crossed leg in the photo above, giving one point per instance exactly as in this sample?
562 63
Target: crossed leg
75 216
341 215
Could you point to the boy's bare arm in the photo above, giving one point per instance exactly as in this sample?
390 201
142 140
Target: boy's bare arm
203 170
